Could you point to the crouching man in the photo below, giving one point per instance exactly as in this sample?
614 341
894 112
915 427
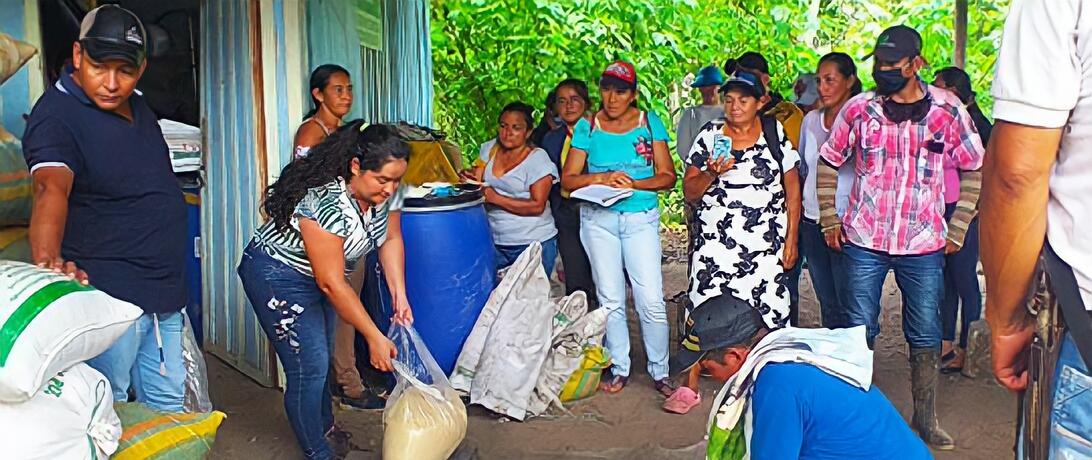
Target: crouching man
791 393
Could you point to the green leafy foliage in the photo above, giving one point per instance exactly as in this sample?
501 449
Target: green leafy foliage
488 53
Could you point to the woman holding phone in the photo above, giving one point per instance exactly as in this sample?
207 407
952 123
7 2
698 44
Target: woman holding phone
742 175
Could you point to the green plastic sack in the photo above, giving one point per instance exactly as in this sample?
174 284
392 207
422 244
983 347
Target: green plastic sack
585 381
150 434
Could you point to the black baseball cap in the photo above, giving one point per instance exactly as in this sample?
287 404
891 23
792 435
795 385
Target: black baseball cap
754 61
897 43
112 32
722 321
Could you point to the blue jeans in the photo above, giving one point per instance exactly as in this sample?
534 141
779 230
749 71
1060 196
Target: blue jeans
1071 414
921 280
628 242
961 286
300 323
134 360
1071 408
507 255
828 274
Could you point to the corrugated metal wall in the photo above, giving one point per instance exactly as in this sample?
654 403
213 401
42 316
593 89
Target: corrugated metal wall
235 168
409 53
284 76
390 85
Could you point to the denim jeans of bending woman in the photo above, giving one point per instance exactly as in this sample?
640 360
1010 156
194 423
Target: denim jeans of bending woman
620 243
300 323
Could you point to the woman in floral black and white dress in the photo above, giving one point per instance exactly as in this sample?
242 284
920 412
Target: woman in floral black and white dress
747 196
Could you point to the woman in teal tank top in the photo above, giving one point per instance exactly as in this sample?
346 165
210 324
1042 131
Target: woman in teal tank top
625 148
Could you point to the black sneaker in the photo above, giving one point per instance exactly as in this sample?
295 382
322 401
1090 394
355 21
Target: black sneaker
340 442
367 401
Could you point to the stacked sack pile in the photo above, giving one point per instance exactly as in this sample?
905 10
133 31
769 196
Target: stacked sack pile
184 143
15 190
52 404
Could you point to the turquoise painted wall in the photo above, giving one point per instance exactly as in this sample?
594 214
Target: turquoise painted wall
14 93
232 193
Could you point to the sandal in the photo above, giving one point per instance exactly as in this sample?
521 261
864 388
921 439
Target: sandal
954 365
682 401
949 356
613 383
666 387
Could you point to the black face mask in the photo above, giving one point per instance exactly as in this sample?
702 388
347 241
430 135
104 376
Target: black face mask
888 82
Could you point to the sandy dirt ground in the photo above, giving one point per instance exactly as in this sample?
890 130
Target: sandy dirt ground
630 425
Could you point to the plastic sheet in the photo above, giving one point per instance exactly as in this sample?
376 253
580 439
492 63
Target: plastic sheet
197 376
424 418
429 163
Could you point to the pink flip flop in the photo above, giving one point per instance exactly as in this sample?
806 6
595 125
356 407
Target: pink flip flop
682 401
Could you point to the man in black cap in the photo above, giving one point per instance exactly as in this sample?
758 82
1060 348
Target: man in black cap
106 201
903 136
783 397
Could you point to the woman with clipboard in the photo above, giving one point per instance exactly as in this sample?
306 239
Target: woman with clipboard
625 148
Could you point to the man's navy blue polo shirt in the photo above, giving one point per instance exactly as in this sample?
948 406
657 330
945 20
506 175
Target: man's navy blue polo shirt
126 222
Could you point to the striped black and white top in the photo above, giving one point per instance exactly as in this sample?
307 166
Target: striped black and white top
337 212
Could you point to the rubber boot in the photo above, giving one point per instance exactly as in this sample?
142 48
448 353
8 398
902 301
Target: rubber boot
924 371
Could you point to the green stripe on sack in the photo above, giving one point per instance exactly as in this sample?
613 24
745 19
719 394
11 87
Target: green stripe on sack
29 309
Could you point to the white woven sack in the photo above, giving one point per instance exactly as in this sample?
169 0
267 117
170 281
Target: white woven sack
48 323
72 417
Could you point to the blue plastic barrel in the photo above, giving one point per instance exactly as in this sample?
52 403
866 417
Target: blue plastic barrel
191 189
450 270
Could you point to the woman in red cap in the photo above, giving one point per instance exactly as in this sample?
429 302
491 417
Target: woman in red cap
625 148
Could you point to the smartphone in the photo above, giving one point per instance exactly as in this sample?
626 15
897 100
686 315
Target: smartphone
722 147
